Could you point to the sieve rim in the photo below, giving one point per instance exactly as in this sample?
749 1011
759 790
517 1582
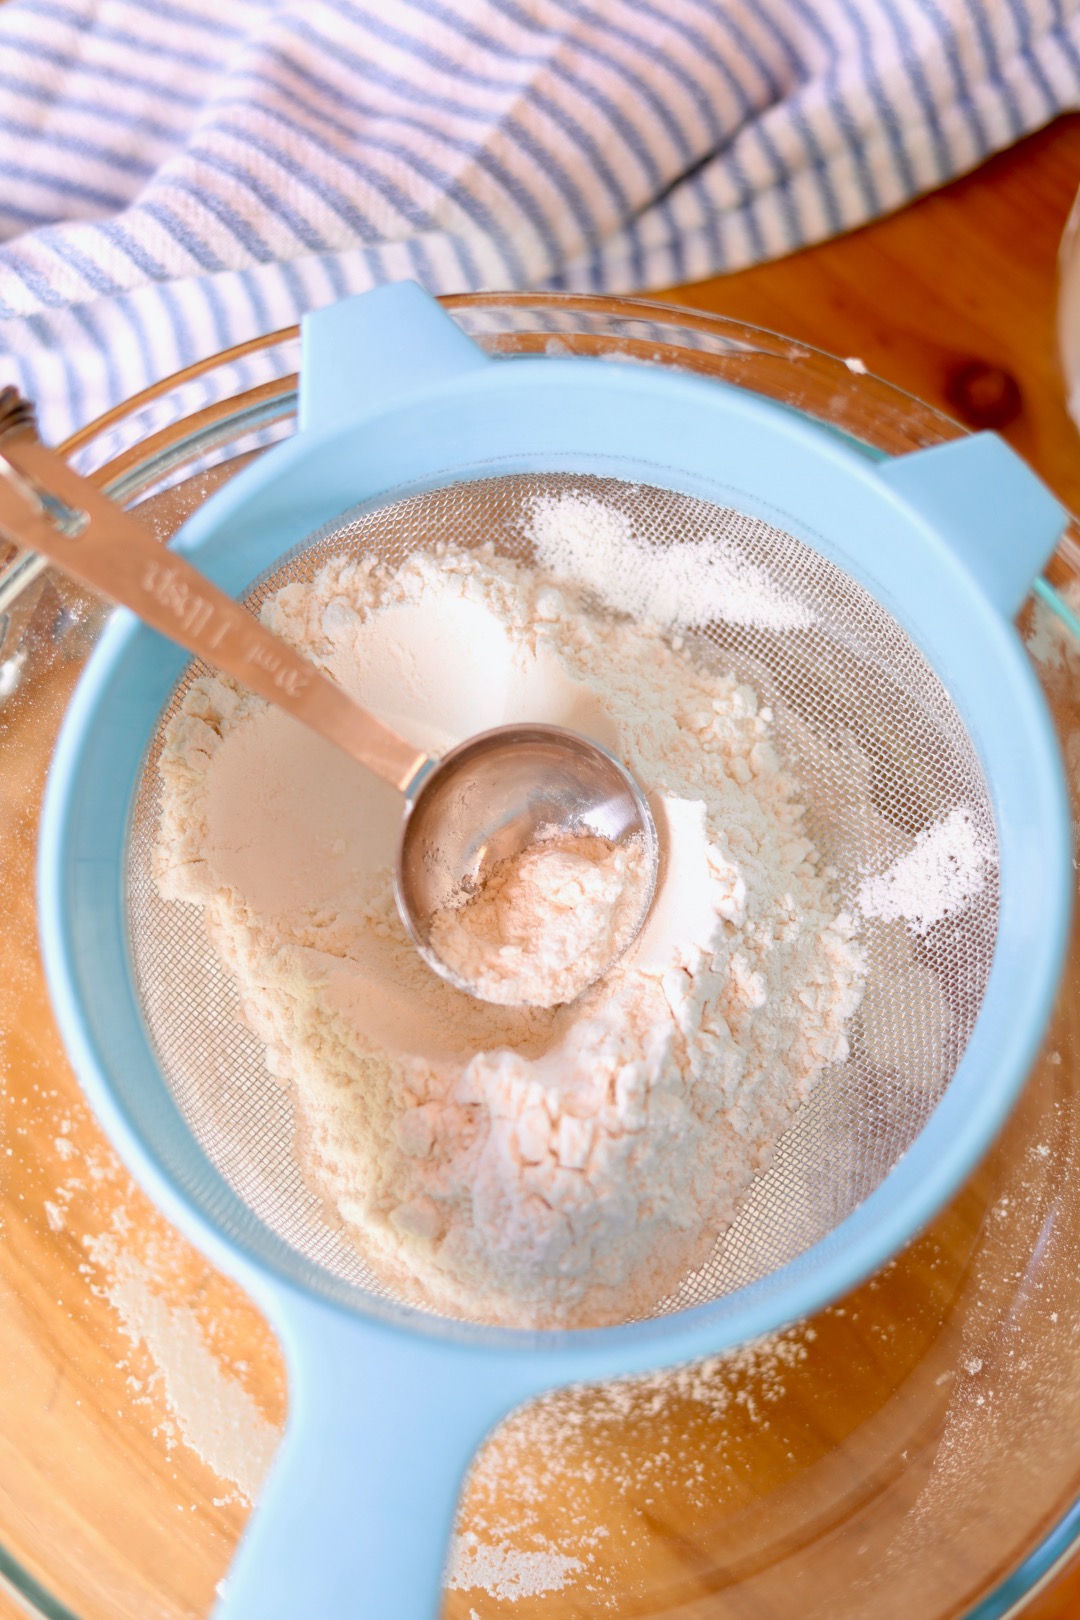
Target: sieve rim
886 1219
803 1284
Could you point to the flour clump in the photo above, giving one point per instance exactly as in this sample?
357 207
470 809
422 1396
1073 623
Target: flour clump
524 1165
944 871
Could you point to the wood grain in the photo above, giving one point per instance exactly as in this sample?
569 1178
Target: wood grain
968 274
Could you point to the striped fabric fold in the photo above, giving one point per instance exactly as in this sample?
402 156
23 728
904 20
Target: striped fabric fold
177 175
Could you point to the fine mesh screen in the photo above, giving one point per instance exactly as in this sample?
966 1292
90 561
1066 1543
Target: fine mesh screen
880 755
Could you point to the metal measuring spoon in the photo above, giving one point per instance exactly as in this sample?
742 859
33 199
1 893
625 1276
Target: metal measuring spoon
483 803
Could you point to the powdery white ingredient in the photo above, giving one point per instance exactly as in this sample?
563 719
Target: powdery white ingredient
507 1571
547 921
215 1415
941 874
525 1166
569 1476
675 585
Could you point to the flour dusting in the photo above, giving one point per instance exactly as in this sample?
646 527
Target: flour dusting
506 1570
214 1414
562 1490
673 585
943 872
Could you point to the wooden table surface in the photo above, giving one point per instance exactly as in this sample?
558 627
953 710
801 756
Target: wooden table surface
955 299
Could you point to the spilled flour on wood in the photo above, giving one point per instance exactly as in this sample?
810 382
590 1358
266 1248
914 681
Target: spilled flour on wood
214 1414
563 1489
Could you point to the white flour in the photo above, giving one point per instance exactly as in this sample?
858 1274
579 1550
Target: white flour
525 1166
944 870
507 1571
547 921
674 585
561 1495
214 1414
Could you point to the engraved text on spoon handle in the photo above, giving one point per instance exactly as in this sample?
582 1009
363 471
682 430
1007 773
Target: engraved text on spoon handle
50 509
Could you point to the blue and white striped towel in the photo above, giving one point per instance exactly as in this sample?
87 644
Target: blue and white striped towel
178 175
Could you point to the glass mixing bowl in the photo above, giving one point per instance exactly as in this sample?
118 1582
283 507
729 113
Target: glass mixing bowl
912 1450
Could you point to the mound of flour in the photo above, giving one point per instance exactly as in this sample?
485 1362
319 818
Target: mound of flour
526 1166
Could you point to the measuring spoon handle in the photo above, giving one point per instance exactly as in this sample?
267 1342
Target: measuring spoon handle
50 509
